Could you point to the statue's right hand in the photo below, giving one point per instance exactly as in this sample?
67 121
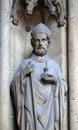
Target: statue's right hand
28 69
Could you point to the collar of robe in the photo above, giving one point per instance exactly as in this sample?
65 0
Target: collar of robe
39 58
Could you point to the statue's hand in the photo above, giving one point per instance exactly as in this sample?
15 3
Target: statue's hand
28 70
49 78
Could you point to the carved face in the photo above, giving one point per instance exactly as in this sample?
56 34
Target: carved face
30 4
40 43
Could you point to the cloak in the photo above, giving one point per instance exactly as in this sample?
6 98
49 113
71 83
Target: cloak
39 105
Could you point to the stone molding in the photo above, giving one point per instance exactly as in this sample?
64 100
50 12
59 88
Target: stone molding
56 8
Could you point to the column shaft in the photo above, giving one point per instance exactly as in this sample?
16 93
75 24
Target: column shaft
73 62
4 61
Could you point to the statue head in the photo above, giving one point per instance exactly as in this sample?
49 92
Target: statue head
40 39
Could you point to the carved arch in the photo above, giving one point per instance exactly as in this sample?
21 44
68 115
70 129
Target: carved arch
56 8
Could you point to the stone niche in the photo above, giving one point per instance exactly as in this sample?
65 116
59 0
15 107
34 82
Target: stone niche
22 22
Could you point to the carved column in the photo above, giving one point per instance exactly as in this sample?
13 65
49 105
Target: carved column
73 62
4 63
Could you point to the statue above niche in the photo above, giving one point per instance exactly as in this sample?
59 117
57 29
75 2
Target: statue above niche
56 8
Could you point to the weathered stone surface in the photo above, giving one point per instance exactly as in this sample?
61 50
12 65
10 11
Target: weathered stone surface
73 8
73 64
4 63
12 123
74 115
55 48
73 58
20 48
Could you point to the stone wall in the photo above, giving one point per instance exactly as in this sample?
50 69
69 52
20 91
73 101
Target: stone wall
20 48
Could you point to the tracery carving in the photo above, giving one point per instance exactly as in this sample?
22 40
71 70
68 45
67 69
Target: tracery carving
56 8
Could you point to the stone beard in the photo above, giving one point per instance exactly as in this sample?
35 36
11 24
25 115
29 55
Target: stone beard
38 89
40 51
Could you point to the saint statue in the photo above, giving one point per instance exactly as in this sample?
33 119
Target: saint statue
38 89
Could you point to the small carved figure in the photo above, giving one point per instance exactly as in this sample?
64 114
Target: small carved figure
14 11
56 8
38 89
19 7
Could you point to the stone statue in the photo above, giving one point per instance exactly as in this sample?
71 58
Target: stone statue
38 89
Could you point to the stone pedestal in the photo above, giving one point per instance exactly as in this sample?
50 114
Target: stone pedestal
73 63
4 63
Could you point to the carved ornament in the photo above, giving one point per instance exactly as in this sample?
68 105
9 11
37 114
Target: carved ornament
56 8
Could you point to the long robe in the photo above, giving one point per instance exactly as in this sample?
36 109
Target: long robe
39 105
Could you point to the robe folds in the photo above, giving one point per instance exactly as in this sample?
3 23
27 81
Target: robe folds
39 105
